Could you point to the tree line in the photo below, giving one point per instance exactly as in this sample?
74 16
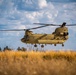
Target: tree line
9 49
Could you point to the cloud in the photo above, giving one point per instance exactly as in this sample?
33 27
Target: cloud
6 6
42 3
30 5
61 1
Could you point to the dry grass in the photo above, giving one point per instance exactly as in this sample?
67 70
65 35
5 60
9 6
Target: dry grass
38 63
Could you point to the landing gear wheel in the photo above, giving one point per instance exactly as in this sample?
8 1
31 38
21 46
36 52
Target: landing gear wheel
35 45
62 44
42 46
54 44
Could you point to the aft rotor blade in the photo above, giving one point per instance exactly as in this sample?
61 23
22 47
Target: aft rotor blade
23 29
14 30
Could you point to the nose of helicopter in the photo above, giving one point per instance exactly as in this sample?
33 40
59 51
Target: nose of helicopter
66 33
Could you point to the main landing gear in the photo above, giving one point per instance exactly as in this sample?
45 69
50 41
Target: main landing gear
42 46
35 45
63 45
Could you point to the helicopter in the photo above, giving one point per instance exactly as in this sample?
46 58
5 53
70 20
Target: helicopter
59 36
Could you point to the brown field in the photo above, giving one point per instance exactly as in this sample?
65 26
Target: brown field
38 63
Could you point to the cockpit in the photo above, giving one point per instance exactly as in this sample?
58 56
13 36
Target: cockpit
61 31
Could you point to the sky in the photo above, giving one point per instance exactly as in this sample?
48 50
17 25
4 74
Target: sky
21 14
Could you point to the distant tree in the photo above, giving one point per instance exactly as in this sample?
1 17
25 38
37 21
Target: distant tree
24 49
0 49
19 49
7 48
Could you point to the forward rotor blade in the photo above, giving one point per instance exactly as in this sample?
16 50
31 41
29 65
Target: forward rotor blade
71 25
54 24
46 24
38 27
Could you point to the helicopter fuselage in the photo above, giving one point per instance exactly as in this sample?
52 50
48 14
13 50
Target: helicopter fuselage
58 37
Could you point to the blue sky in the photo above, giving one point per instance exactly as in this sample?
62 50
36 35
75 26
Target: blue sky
18 14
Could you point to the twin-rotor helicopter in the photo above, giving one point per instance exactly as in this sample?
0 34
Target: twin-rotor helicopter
59 36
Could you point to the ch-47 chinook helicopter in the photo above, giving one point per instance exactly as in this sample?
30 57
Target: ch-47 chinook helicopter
59 36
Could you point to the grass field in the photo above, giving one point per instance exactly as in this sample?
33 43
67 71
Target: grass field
38 63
